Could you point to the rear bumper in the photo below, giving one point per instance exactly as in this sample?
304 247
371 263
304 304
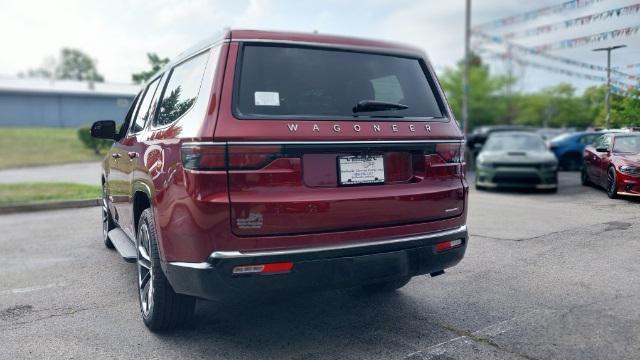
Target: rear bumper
317 268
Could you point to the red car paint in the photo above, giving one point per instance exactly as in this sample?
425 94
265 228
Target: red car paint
292 201
603 157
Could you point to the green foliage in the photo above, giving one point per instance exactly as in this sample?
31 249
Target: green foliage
156 63
76 65
556 106
71 64
486 105
97 145
625 110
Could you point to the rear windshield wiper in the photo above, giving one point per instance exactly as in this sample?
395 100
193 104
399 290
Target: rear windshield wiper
373 105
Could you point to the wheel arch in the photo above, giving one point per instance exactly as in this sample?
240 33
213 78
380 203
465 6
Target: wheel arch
142 200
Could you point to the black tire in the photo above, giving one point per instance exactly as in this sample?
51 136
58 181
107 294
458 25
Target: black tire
584 177
107 220
386 286
612 183
160 306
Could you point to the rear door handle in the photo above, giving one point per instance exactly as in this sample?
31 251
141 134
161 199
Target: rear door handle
116 156
132 154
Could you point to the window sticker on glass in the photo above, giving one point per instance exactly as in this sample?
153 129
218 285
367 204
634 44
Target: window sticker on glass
267 98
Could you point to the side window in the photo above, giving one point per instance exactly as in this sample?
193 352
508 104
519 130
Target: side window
588 139
388 89
145 110
182 89
124 126
598 142
606 142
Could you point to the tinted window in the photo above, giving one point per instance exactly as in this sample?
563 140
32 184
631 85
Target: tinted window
122 130
588 139
515 142
627 144
300 81
182 90
145 109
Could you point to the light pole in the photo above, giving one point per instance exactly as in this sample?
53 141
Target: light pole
607 98
465 75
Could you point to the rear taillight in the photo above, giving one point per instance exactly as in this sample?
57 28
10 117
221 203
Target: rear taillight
204 157
251 157
228 157
450 152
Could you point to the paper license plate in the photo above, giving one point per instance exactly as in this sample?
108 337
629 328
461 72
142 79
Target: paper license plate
361 169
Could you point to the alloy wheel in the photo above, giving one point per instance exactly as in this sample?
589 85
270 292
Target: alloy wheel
611 183
105 215
145 270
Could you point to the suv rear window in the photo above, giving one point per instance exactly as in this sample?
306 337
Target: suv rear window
279 81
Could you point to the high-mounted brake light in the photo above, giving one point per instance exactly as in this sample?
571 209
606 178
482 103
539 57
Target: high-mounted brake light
443 246
272 268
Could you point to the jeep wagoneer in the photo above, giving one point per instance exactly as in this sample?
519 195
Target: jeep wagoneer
263 162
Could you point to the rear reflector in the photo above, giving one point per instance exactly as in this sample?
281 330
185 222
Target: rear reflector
443 246
273 268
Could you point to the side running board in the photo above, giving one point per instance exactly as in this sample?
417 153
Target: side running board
123 244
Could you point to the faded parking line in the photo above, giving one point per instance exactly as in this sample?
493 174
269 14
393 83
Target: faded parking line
482 335
30 289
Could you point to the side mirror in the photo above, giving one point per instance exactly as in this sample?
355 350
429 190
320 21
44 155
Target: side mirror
602 149
104 129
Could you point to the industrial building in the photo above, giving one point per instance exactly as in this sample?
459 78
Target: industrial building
62 103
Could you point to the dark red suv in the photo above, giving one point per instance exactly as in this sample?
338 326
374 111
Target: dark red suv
263 162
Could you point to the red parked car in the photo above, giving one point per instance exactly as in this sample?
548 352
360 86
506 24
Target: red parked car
264 161
613 162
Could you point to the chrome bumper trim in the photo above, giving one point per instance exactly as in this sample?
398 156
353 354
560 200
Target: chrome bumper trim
238 254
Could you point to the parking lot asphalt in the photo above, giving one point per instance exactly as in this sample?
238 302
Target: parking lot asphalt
546 276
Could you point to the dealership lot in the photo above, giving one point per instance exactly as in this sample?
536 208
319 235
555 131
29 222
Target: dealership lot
545 276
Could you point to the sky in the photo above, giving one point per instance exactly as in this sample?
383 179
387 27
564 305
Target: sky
118 33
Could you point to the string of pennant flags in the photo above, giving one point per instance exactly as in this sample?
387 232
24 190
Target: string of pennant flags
579 21
629 66
534 14
589 39
555 69
539 52
484 36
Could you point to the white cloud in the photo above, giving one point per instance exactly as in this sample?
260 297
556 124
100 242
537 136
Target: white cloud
120 32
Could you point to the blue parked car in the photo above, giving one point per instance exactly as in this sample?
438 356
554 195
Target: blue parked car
568 148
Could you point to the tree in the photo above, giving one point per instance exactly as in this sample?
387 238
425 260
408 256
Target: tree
156 64
625 109
76 65
71 64
486 104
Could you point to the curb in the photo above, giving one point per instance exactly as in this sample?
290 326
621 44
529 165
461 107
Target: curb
49 205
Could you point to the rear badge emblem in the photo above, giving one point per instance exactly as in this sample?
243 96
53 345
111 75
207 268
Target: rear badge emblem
293 127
